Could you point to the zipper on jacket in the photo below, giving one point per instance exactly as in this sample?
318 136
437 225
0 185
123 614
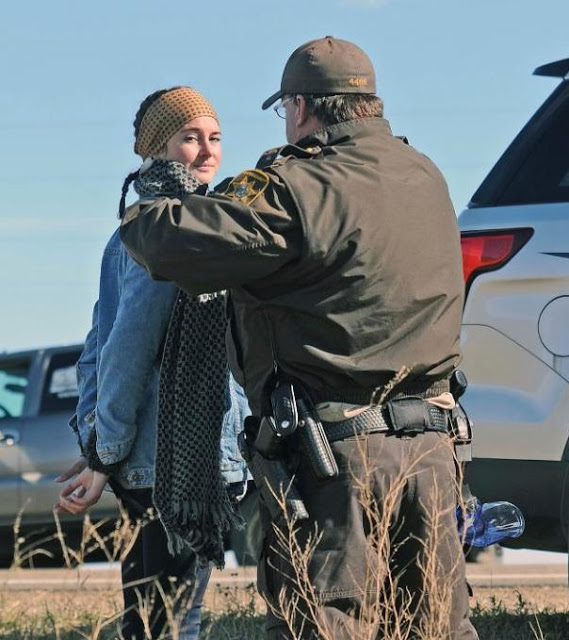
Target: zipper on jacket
272 343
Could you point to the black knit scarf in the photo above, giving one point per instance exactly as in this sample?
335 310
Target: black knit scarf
189 492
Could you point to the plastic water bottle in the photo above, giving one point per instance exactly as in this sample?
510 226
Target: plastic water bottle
489 522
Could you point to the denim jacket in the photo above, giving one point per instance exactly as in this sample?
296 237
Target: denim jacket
119 368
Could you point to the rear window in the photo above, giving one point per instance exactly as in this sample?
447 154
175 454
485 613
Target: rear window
534 169
544 175
60 390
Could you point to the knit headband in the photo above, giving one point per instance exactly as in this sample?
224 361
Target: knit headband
167 115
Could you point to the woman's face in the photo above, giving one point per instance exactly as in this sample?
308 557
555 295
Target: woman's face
197 145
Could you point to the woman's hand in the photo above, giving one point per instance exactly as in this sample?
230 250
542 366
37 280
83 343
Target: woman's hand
82 492
76 468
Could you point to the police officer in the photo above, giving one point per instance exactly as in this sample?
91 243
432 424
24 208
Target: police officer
342 254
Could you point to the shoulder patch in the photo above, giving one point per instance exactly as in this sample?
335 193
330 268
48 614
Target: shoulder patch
247 186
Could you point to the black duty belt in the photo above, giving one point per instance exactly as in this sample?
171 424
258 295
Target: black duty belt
404 416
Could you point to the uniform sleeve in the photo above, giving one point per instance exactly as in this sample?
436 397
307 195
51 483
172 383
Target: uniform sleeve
128 359
206 244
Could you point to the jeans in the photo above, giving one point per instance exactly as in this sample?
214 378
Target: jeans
154 582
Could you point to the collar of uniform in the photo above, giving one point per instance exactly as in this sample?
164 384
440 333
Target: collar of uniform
268 157
300 150
337 132
271 156
311 145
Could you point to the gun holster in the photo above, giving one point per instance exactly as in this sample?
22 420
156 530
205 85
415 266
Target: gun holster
263 450
313 440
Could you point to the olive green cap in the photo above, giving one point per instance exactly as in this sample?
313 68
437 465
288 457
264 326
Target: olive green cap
327 66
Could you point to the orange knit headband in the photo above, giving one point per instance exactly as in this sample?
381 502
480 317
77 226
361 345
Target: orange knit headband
168 114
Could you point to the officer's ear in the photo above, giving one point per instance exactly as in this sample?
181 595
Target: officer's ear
300 112
305 122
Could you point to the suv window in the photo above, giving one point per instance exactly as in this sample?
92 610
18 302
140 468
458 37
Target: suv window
60 390
544 174
13 383
534 169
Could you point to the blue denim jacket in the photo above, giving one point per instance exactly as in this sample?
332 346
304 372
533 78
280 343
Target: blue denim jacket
119 369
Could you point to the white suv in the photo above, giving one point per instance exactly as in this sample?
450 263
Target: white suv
515 334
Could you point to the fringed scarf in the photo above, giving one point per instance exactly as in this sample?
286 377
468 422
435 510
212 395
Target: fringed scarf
189 492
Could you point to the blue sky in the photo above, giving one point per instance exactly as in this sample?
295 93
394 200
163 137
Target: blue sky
455 78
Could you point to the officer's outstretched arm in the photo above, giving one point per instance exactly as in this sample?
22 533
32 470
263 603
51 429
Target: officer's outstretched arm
209 243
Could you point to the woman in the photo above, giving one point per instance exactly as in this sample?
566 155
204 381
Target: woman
177 134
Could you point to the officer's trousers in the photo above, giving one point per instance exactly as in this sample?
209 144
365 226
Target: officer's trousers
386 560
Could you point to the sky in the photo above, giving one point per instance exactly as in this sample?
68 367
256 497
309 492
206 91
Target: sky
455 77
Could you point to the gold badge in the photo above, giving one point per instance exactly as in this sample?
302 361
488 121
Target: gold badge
247 186
358 81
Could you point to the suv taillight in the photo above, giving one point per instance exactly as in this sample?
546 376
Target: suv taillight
489 250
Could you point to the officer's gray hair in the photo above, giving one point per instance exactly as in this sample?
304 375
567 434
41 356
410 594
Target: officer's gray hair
339 108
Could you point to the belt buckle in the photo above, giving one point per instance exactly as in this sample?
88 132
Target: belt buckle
408 414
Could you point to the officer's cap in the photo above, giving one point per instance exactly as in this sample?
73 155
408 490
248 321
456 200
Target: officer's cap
327 66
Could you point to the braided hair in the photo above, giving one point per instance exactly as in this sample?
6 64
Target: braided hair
142 109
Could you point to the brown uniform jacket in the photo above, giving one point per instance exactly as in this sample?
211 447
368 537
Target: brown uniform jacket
343 260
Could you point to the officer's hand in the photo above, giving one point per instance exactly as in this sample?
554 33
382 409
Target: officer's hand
74 470
82 493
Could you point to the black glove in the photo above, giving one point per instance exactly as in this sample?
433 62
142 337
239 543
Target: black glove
236 492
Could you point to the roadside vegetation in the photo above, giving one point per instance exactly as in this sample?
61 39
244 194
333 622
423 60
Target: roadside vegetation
237 613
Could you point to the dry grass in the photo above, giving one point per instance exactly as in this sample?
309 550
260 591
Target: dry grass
115 543
235 613
111 542
72 604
